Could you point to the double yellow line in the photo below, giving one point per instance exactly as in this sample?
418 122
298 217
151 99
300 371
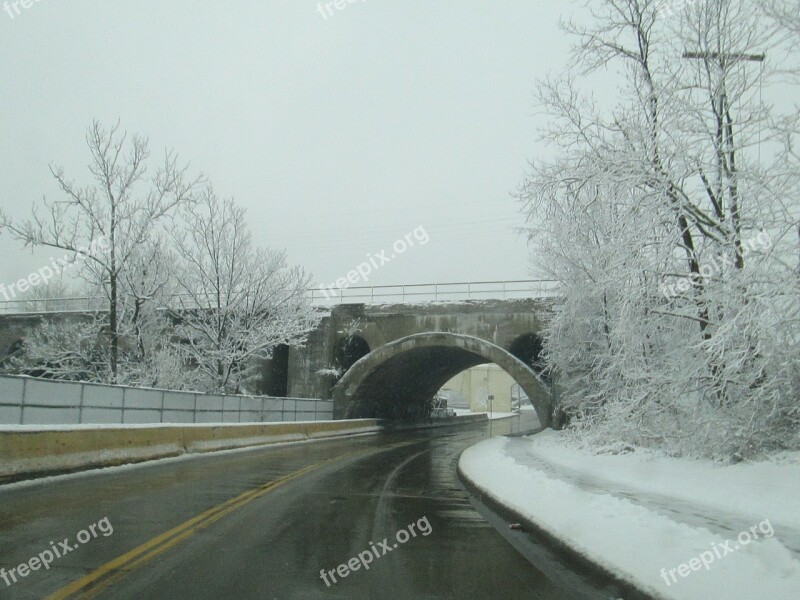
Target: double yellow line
111 572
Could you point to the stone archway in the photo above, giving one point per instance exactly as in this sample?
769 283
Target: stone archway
395 381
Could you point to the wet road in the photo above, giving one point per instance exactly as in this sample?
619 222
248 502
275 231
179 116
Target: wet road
264 523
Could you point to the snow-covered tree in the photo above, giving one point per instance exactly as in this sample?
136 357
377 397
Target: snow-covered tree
785 12
110 222
64 348
55 294
236 301
148 288
671 219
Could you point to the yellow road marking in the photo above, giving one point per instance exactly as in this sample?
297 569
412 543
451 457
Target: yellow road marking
116 569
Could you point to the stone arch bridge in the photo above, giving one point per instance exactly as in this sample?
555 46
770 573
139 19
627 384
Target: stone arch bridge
387 360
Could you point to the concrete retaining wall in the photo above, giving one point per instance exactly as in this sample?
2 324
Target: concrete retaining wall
26 453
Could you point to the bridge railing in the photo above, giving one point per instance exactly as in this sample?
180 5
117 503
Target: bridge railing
436 292
74 304
374 294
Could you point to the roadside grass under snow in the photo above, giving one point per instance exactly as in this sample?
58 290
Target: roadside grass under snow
460 412
636 541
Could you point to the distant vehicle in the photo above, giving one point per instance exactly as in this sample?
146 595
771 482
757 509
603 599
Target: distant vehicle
439 408
442 413
439 401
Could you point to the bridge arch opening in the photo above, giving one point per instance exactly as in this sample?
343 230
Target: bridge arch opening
14 350
275 376
397 380
348 351
528 348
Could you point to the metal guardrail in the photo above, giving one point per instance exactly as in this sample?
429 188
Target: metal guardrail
226 415
319 296
30 400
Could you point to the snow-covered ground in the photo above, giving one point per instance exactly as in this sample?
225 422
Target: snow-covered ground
682 529
492 415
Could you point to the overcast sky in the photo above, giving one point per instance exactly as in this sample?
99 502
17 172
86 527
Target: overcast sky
339 134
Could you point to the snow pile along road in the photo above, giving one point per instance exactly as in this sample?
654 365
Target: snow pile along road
662 555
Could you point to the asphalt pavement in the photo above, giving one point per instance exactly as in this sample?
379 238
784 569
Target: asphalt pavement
378 516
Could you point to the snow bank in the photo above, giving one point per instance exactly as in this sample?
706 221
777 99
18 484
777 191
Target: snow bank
491 415
639 545
728 488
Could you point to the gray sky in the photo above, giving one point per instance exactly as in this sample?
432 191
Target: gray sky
339 135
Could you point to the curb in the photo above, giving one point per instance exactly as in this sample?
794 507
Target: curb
621 587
